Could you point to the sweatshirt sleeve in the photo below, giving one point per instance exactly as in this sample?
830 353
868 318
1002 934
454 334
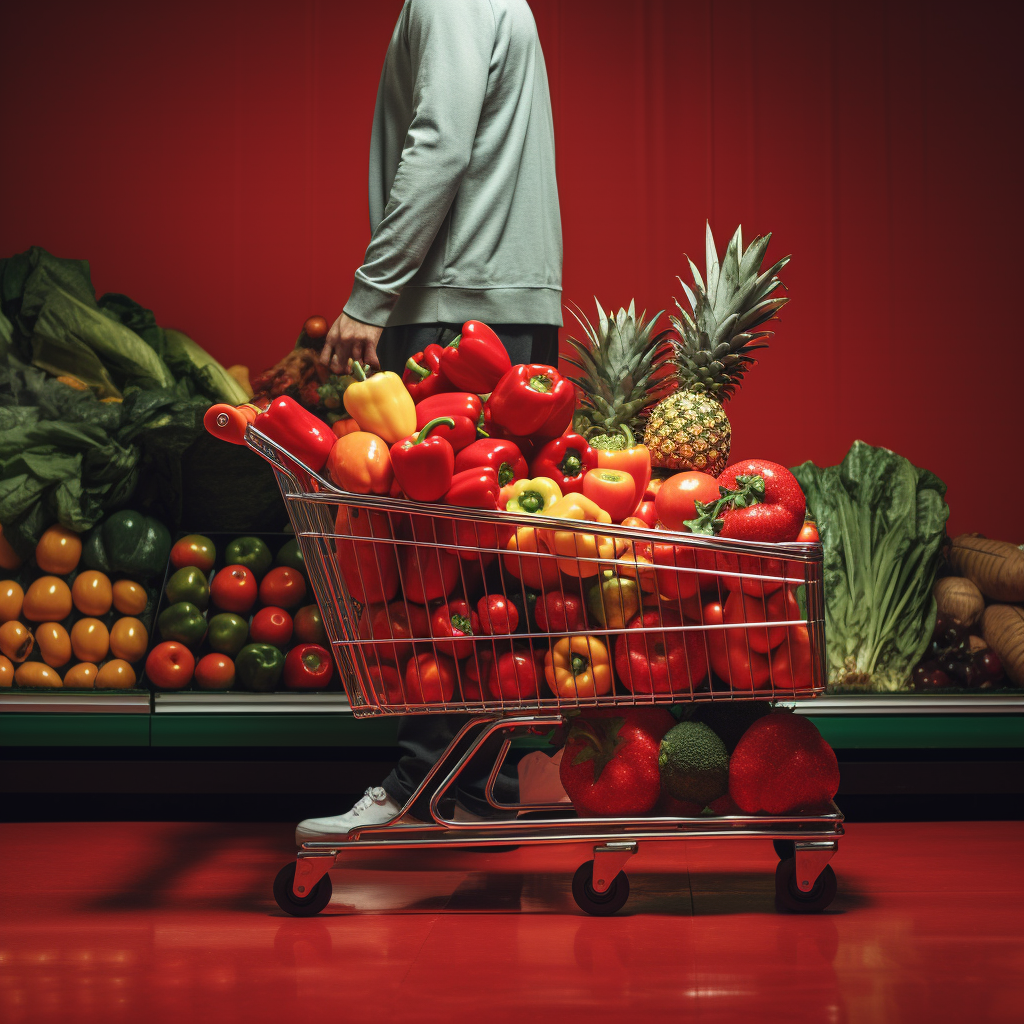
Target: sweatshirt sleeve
450 44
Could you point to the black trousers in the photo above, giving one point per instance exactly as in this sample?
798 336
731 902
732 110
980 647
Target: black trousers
424 738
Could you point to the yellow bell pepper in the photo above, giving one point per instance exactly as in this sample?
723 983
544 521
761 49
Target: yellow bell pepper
380 404
535 496
578 666
577 551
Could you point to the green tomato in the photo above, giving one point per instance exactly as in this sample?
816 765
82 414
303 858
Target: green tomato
291 556
183 622
613 601
258 667
189 584
228 633
250 552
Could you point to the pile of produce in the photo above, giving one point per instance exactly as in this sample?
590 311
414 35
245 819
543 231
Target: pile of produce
98 404
724 758
466 429
238 619
77 615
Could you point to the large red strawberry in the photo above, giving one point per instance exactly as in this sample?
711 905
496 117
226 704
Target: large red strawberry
610 764
782 765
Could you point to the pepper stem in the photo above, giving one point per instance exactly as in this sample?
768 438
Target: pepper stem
578 664
572 463
462 624
432 425
421 371
358 370
506 474
541 383
454 343
531 501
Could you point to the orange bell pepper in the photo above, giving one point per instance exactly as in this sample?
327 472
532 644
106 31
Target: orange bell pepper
361 462
621 451
537 571
578 551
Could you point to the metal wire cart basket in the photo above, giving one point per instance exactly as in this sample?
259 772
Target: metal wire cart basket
375 563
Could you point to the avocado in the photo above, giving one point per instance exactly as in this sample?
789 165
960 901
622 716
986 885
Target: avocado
694 763
730 719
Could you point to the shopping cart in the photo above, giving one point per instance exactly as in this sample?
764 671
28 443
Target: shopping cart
365 553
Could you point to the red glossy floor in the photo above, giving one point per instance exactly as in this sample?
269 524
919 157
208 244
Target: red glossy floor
171 922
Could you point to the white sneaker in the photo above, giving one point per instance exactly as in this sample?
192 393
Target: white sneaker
374 807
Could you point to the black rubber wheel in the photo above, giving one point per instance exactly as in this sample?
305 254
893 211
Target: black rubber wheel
599 904
306 906
789 897
785 848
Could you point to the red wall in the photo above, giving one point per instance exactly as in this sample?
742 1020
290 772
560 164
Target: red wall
209 159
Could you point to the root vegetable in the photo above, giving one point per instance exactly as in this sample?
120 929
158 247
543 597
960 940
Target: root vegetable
959 599
996 567
1003 628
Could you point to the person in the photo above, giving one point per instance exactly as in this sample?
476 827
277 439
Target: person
465 225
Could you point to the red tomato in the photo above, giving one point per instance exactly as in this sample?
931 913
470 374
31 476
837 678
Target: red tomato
309 627
513 676
395 621
234 589
648 661
386 683
675 500
283 587
808 533
170 666
498 616
215 672
733 660
791 661
194 550
559 612
430 679
739 608
647 512
271 626
475 668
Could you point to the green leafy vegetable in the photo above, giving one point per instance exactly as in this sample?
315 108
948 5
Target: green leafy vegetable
882 522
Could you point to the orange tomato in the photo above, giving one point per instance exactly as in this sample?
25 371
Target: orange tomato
6 672
215 672
81 676
91 593
47 600
37 675
58 551
116 674
54 644
9 558
361 462
128 639
537 571
130 598
11 599
90 640
16 641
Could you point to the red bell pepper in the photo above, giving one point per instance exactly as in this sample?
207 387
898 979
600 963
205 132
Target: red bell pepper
423 463
458 621
465 409
301 434
566 460
502 456
422 374
513 676
476 359
308 667
476 668
474 488
366 554
428 574
531 400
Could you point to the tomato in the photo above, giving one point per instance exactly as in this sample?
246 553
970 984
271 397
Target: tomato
646 512
128 639
309 627
215 672
315 328
476 668
194 550
234 589
130 598
497 615
430 679
676 497
92 593
16 642
791 661
808 533
559 612
283 587
650 658
81 676
395 621
6 672
58 551
675 581
308 667
47 600
740 608
54 644
11 599
90 640
733 660
116 674
36 674
271 626
513 676
386 683
170 666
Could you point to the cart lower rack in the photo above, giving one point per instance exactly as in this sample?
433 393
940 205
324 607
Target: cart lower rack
666 618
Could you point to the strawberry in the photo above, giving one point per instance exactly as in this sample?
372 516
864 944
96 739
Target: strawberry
782 765
610 764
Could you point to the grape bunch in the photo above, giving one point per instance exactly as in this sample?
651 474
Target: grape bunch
950 662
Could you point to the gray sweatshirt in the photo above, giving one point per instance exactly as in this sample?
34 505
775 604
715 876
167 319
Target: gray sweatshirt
463 198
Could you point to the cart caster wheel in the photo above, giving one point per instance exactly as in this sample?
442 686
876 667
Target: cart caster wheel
785 848
305 906
600 904
789 897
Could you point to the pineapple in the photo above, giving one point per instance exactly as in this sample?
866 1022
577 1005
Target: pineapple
717 338
619 362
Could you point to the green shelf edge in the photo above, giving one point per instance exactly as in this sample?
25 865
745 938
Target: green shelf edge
325 730
915 732
25 729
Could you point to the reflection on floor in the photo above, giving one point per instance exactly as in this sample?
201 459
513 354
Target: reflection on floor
168 922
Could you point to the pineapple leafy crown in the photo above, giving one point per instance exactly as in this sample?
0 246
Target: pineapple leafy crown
718 333
617 364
